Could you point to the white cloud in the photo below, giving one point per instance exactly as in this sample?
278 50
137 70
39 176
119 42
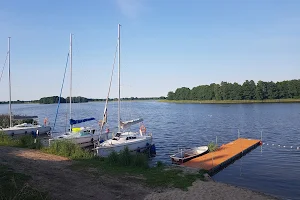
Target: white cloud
130 8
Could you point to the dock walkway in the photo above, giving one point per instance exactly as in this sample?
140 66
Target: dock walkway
223 156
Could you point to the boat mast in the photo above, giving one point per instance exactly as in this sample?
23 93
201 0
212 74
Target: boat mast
119 117
10 121
71 79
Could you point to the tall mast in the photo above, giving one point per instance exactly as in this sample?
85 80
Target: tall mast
10 121
70 80
119 107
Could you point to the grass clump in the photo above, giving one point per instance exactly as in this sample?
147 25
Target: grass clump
212 147
126 159
67 149
15 186
25 141
5 140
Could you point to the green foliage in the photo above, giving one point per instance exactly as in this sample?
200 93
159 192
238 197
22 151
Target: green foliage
159 164
125 159
67 149
6 140
212 147
158 176
4 121
247 91
15 186
26 141
53 99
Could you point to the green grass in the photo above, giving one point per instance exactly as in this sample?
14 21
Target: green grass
14 186
136 165
233 101
67 149
26 141
212 147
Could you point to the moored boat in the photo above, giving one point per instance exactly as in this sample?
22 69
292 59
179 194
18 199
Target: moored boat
187 154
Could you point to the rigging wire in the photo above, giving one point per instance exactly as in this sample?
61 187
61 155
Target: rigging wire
61 91
4 66
112 73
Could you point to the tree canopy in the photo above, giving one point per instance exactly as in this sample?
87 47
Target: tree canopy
249 90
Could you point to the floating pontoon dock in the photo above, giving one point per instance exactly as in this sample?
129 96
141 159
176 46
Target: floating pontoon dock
223 156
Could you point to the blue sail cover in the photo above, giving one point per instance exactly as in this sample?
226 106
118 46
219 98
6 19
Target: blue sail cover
72 121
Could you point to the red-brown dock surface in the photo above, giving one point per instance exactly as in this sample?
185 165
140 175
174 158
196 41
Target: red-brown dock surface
224 155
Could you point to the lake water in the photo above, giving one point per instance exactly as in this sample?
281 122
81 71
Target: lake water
270 169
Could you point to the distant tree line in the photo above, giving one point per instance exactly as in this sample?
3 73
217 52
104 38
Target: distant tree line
55 99
249 90
79 99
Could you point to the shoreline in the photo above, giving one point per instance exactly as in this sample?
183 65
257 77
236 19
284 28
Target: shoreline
231 101
53 173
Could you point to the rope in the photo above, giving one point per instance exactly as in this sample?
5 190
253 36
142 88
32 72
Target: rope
3 67
283 146
61 92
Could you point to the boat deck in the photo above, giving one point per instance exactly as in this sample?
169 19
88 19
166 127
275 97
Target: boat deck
223 156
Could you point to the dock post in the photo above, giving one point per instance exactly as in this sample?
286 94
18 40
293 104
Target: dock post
217 140
261 141
212 159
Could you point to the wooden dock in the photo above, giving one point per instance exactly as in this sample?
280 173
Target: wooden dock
223 156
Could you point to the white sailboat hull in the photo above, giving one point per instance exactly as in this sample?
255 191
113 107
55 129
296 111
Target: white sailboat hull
18 131
83 141
140 143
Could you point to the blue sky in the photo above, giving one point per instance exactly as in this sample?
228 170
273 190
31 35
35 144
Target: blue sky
165 44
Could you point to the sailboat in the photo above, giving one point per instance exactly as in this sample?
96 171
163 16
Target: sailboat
24 128
135 141
84 136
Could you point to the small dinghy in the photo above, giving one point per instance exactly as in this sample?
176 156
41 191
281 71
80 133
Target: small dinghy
187 154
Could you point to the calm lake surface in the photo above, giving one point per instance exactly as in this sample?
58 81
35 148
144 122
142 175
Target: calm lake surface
269 169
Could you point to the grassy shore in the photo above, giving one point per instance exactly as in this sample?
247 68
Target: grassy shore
233 101
121 164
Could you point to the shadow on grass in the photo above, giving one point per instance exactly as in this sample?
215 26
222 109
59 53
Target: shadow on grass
14 186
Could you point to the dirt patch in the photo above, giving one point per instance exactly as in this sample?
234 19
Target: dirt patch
52 174
209 191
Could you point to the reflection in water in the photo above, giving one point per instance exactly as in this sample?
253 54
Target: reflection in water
270 169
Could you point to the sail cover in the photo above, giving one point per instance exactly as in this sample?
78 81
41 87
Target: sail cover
24 117
72 121
130 122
